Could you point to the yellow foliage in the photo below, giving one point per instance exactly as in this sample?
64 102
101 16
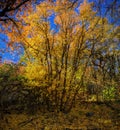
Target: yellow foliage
35 73
61 57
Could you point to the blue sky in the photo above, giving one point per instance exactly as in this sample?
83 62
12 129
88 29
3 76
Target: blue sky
5 52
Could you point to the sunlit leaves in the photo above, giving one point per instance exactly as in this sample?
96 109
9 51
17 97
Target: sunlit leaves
86 12
35 73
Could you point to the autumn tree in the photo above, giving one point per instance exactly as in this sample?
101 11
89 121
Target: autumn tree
57 59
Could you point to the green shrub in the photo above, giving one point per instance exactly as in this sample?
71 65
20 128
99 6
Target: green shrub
109 92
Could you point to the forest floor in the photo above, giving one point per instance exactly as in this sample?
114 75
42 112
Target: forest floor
85 116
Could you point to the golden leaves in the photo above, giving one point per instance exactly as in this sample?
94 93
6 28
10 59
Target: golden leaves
86 12
35 72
